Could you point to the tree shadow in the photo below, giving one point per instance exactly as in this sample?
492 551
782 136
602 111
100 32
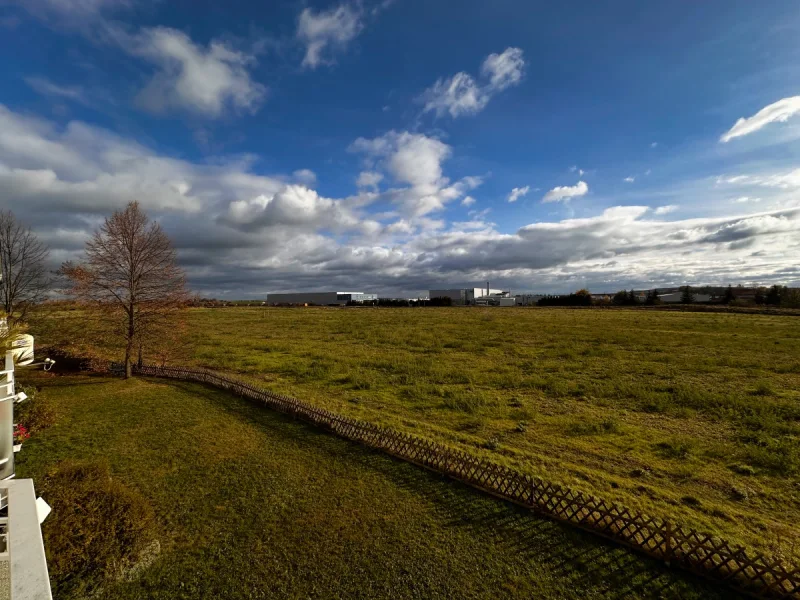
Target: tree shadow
577 559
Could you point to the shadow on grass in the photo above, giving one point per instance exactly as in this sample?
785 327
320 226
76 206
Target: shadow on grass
577 559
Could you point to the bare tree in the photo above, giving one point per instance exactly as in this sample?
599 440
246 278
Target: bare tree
130 274
25 279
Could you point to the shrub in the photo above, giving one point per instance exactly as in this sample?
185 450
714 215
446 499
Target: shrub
791 299
35 413
580 298
440 301
98 529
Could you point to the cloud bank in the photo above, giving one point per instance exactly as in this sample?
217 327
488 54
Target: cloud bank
242 234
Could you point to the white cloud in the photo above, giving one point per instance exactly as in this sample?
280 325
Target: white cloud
72 10
235 229
778 112
745 199
305 176
85 168
504 70
518 193
44 86
665 210
205 81
574 169
468 201
629 179
297 207
369 179
654 145
566 192
789 180
326 33
460 95
414 160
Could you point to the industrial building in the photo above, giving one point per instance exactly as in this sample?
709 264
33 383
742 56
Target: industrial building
676 297
468 296
320 298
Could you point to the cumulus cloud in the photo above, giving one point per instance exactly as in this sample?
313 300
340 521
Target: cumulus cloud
415 161
777 112
299 208
84 168
468 201
566 192
369 179
518 193
326 33
665 210
203 80
305 176
460 95
629 179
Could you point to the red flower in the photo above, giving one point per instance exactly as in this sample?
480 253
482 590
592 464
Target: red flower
20 434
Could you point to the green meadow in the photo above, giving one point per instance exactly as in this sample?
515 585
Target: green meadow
691 416
172 491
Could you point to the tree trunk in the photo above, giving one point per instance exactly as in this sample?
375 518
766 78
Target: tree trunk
128 365
129 345
139 362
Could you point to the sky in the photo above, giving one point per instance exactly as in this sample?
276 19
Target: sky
395 146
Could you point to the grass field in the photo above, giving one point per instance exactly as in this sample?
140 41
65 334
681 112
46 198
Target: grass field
687 415
691 416
234 501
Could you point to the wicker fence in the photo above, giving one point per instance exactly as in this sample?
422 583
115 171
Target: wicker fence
700 553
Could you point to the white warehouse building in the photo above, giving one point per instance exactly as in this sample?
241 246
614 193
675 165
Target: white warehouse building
465 295
320 298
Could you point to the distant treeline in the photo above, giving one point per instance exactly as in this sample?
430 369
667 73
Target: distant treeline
777 296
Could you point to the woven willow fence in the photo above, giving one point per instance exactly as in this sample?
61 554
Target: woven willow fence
699 553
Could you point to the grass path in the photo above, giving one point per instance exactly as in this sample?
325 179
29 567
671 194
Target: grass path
249 504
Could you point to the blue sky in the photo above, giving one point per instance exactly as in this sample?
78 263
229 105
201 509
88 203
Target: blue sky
402 145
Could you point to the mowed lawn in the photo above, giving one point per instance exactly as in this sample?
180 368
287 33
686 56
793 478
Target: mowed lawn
691 416
249 504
